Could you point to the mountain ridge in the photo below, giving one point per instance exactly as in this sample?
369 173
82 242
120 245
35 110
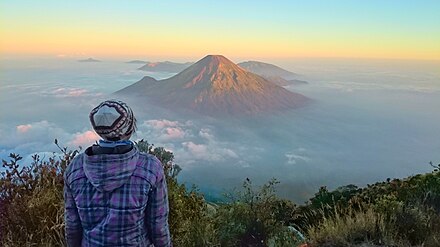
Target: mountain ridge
267 70
89 60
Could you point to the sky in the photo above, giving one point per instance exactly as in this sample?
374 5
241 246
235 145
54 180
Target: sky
392 29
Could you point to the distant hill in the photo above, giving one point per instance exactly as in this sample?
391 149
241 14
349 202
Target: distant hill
215 86
267 70
283 82
166 66
143 84
89 60
137 62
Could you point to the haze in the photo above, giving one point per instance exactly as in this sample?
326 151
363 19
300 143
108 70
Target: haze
370 120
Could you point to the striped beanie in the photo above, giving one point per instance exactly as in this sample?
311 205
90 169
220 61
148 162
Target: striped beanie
113 120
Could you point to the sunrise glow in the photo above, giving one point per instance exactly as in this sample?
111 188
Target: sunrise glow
285 29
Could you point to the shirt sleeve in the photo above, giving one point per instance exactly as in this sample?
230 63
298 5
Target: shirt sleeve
71 217
157 212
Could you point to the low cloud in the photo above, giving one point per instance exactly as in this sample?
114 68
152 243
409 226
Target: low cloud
164 130
350 86
23 128
84 139
35 132
297 156
32 137
191 144
206 134
198 150
161 123
69 92
174 133
207 152
29 138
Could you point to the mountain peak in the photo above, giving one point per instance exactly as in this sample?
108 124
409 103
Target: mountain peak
215 61
218 58
214 73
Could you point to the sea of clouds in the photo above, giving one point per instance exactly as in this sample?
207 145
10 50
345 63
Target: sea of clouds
369 120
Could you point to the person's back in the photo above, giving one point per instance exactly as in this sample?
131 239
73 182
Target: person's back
115 195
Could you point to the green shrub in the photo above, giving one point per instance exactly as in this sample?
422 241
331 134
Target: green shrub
32 209
256 218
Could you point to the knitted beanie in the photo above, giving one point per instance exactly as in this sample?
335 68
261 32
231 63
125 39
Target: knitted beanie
113 120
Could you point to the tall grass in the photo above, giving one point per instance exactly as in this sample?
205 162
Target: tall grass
356 227
404 225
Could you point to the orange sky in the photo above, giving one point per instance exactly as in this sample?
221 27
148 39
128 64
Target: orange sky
145 29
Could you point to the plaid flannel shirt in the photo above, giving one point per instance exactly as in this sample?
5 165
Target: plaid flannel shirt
116 200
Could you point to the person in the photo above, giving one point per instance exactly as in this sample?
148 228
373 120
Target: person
115 195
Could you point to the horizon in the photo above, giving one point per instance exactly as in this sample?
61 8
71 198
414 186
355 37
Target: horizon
255 30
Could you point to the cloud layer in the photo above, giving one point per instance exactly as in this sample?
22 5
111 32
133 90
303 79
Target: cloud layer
39 137
365 125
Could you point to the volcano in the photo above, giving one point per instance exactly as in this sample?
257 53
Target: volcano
216 86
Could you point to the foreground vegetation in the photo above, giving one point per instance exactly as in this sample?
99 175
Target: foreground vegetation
399 212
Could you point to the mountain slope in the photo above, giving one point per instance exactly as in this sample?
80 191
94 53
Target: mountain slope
166 66
266 70
280 81
216 86
145 83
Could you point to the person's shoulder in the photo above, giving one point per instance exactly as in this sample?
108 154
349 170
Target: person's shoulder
74 168
150 163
